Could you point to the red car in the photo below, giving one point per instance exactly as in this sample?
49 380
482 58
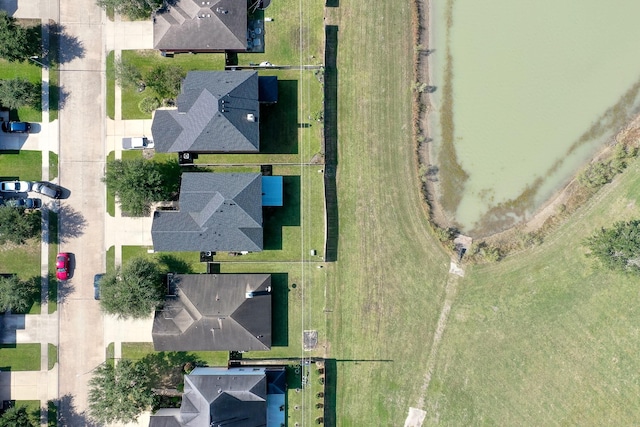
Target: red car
62 266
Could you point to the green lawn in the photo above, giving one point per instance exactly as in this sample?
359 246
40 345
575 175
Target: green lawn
385 292
24 261
53 165
111 85
29 71
138 350
146 60
20 357
52 355
544 337
24 165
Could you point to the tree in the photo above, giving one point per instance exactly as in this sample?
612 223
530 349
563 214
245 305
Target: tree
14 40
16 295
120 393
137 183
18 416
17 225
166 80
127 73
18 93
133 291
132 9
617 248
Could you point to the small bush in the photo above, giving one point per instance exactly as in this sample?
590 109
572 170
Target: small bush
149 104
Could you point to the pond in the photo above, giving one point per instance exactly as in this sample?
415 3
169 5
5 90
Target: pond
527 92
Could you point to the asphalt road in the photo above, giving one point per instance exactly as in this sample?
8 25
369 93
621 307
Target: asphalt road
81 161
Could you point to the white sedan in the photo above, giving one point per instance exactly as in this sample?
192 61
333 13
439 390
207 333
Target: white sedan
15 186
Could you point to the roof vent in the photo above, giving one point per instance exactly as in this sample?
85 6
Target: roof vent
251 117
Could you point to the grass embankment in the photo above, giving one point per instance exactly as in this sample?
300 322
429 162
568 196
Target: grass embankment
138 350
386 290
52 355
544 337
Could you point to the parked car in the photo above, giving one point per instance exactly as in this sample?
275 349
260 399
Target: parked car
16 127
15 186
62 266
28 203
96 285
46 188
136 143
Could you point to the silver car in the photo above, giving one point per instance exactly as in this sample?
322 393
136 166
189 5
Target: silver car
46 188
15 186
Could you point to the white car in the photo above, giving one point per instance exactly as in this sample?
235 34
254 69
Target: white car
15 186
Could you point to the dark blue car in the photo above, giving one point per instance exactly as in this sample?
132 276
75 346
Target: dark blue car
16 127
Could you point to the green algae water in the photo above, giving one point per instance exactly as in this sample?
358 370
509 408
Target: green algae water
527 91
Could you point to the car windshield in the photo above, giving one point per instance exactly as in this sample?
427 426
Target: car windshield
61 269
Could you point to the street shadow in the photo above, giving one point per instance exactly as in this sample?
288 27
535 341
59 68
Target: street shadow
57 98
276 217
72 224
279 122
279 309
68 415
172 264
59 290
331 143
63 47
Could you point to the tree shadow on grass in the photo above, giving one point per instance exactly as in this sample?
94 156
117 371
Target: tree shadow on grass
165 370
68 415
172 264
171 172
72 224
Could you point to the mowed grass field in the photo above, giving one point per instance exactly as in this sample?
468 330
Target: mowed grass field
546 338
387 286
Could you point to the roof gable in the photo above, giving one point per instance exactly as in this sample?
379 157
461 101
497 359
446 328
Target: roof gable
218 212
215 312
217 111
191 25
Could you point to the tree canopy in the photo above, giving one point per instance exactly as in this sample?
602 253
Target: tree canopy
17 225
19 416
138 183
166 80
132 291
132 9
617 248
120 393
16 295
14 39
18 93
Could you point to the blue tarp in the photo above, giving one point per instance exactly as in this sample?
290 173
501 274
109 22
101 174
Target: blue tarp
272 191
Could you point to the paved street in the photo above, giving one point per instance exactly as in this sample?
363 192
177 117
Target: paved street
81 162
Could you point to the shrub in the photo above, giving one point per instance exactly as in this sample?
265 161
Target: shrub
149 104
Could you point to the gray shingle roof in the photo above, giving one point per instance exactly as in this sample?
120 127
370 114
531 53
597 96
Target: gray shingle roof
213 114
213 312
218 212
191 25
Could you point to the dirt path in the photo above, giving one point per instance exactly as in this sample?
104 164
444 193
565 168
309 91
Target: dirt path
451 290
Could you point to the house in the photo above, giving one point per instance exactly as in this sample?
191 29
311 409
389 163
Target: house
202 26
230 397
215 312
217 112
218 212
